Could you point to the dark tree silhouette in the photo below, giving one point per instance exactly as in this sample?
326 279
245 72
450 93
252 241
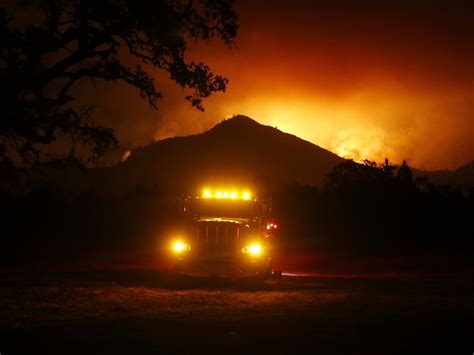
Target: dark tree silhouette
383 208
387 168
48 46
404 172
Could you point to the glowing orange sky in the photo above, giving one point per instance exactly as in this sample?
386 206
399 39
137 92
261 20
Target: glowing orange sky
365 81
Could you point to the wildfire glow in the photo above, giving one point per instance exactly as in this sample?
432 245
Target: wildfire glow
344 127
344 80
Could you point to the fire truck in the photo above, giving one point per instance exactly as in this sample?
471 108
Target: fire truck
229 233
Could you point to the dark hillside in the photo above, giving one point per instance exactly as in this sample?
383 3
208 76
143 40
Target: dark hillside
238 149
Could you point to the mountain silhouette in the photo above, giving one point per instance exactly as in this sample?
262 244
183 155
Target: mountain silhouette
238 150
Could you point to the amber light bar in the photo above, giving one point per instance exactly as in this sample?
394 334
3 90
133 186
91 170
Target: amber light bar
226 194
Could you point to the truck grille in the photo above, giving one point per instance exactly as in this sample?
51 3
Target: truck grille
218 239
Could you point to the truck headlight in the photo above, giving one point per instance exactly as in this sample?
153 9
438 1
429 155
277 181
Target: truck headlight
179 247
254 249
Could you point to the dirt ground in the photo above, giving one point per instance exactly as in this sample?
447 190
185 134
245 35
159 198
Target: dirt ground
145 312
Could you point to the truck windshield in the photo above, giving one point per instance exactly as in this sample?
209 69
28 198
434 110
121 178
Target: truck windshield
225 208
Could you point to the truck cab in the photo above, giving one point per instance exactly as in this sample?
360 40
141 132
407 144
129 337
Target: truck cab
228 233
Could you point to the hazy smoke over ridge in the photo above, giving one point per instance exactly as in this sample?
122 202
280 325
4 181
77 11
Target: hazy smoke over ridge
364 80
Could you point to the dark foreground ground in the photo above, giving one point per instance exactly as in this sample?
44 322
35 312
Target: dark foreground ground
142 312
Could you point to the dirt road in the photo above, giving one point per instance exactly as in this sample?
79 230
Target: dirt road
142 312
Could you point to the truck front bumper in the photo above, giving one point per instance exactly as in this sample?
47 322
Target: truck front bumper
234 268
